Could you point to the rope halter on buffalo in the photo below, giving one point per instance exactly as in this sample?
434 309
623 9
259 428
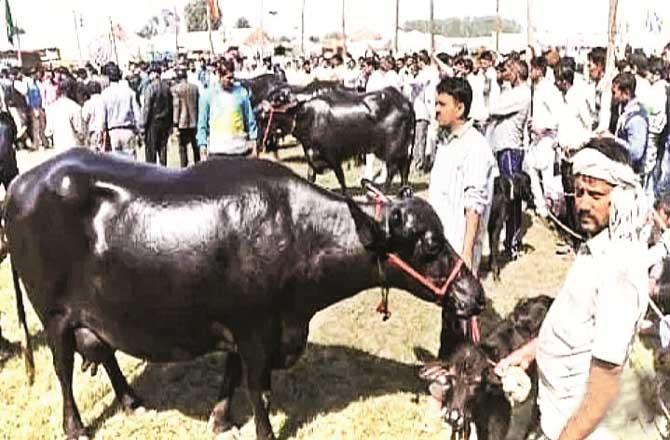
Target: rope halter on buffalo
394 260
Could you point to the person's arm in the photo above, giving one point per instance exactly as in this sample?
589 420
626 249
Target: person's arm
203 123
605 111
509 103
601 392
175 107
249 118
472 224
522 357
478 172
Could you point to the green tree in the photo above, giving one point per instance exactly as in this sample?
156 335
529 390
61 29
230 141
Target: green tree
196 16
465 27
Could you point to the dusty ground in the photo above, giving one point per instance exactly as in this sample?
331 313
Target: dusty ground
357 379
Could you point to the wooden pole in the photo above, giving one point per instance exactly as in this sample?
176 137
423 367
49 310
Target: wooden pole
529 21
397 25
432 26
302 29
344 29
209 28
176 32
497 25
111 29
76 32
262 35
611 39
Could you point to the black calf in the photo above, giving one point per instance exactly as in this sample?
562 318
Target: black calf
504 194
472 392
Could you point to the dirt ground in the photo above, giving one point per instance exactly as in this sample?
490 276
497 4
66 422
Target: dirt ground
358 379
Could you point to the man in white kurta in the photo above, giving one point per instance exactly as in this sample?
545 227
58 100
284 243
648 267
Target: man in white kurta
461 181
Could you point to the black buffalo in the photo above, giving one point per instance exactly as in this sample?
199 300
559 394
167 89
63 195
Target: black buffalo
472 392
339 124
236 256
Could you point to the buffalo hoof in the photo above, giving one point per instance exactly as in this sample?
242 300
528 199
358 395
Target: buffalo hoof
132 404
231 434
78 434
219 420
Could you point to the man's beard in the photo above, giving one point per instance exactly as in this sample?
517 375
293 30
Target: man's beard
583 215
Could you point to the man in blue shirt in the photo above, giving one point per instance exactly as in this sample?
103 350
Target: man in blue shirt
632 127
226 123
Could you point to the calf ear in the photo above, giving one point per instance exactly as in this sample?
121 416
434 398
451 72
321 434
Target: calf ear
369 232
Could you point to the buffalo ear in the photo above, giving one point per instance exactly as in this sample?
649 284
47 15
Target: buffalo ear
406 192
369 232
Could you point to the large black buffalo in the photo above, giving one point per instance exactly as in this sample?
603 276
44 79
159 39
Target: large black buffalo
8 171
334 125
236 256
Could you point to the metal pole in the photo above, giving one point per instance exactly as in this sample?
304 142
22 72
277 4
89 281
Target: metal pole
76 31
111 28
302 29
397 25
18 40
432 26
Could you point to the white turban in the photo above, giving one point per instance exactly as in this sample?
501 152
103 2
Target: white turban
629 207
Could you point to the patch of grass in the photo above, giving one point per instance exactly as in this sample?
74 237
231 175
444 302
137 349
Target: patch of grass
357 380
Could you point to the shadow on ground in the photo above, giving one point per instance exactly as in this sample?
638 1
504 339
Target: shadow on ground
327 379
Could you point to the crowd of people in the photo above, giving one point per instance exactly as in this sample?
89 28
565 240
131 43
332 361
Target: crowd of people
594 145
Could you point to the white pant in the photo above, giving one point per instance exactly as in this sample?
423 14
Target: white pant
540 162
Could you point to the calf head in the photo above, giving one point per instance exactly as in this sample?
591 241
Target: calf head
409 227
467 374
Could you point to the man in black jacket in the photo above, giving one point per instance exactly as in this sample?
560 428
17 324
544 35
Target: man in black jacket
157 117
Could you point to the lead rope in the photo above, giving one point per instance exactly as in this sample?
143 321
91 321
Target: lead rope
383 306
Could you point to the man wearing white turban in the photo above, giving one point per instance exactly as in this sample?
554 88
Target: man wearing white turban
587 334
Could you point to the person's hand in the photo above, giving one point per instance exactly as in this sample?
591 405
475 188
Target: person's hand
203 154
467 259
519 358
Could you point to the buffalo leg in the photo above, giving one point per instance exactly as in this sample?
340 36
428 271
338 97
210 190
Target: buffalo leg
311 173
62 343
451 334
256 374
339 173
391 168
221 414
495 228
124 393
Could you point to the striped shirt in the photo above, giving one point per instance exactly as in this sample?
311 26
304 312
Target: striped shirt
461 179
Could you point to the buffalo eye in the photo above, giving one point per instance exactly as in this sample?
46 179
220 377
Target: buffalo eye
431 246
396 218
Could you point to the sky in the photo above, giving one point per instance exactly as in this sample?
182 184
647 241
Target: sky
55 18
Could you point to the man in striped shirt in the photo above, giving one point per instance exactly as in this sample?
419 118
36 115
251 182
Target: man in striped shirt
461 182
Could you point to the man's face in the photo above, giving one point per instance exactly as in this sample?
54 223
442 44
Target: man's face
619 96
595 71
448 110
485 63
535 74
592 202
226 79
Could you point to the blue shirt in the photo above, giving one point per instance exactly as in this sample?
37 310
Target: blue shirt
226 120
632 132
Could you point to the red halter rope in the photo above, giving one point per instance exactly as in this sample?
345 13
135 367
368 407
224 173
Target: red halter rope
272 109
438 291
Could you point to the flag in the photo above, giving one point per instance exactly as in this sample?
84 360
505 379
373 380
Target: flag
11 30
214 11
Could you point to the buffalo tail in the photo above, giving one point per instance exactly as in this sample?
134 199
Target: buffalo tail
28 349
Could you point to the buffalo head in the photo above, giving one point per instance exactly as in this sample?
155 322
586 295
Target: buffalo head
409 228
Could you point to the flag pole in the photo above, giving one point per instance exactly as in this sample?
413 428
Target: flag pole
14 32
